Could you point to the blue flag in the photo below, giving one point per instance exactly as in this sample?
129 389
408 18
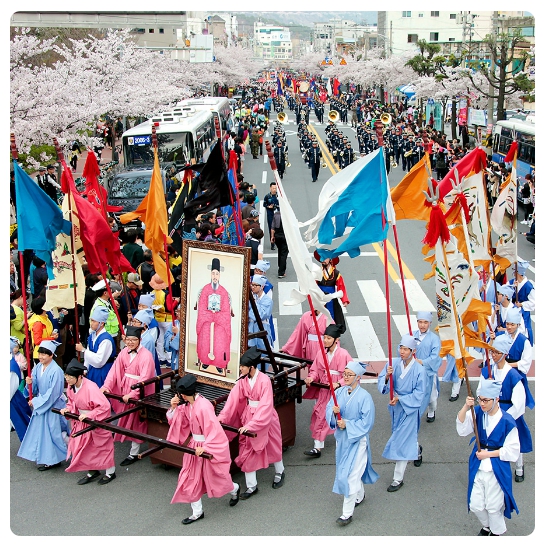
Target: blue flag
352 208
39 219
279 86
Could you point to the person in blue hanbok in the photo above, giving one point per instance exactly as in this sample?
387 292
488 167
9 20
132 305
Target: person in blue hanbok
428 355
409 393
100 353
489 494
264 305
525 296
46 438
262 266
352 433
172 338
19 410
513 397
144 318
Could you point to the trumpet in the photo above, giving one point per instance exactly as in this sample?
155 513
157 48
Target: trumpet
408 153
281 117
393 163
323 165
333 116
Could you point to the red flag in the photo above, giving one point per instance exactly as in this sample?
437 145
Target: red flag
96 194
100 244
473 162
336 86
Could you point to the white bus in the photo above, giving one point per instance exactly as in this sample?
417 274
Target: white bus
219 106
524 132
183 136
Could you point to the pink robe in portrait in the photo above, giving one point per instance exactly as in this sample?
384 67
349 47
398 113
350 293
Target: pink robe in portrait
94 450
121 376
260 417
319 427
214 306
198 475
304 343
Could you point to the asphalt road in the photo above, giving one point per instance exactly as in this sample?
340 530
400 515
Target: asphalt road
431 503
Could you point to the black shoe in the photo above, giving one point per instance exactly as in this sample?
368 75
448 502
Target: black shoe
220 370
314 181
394 486
191 519
419 460
128 461
234 501
278 483
106 479
248 493
44 467
360 502
204 367
519 479
484 532
431 419
89 478
281 276
454 398
315 453
344 521
273 248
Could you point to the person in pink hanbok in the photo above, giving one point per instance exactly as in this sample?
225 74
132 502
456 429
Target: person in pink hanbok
134 364
192 420
304 341
93 451
337 358
249 407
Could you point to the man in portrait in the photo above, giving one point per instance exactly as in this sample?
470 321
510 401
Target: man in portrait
214 313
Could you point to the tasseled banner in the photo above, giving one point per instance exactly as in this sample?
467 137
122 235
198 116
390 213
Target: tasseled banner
511 152
232 160
437 227
460 198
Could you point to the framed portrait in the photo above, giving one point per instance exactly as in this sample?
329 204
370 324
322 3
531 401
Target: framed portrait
214 311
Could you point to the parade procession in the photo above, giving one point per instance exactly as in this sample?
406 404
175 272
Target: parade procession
292 287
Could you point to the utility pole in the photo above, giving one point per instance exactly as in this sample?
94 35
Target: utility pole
490 103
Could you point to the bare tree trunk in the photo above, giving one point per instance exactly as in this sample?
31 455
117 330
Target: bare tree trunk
453 118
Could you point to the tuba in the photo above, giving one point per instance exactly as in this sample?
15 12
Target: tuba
333 116
281 117
386 118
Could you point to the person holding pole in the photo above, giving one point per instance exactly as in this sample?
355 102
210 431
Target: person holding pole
337 358
524 297
352 433
408 378
249 407
93 451
192 419
489 478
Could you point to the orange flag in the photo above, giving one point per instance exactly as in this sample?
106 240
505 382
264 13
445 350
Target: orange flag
152 211
407 198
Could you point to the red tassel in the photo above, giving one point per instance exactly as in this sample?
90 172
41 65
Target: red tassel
437 227
511 152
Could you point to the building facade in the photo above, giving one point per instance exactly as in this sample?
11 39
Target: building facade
272 42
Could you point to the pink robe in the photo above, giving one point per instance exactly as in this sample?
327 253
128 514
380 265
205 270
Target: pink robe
198 475
121 376
303 343
94 450
319 427
221 341
266 448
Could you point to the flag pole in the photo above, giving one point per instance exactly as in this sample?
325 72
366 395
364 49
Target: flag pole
15 157
379 132
60 157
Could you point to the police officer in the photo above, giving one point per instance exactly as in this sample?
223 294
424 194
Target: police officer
347 157
314 157
279 153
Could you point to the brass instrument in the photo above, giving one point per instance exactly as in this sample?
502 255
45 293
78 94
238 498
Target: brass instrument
386 118
281 117
288 164
408 153
393 163
324 165
333 116
304 87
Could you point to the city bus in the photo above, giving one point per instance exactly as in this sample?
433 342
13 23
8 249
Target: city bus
219 106
183 135
524 133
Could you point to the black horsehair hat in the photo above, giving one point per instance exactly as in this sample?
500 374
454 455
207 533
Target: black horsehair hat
187 385
215 265
251 357
75 368
334 330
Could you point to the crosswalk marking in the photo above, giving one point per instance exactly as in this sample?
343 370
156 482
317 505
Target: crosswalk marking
401 322
367 345
416 296
284 294
265 158
264 177
373 295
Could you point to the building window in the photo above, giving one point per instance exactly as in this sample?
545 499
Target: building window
151 31
140 31
421 15
412 38
406 14
451 39
161 31
453 16
434 37
435 14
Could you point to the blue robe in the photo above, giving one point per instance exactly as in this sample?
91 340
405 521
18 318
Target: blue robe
505 402
428 350
450 374
148 340
268 289
43 442
172 346
265 309
516 350
19 409
358 411
522 296
97 375
501 468
405 417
